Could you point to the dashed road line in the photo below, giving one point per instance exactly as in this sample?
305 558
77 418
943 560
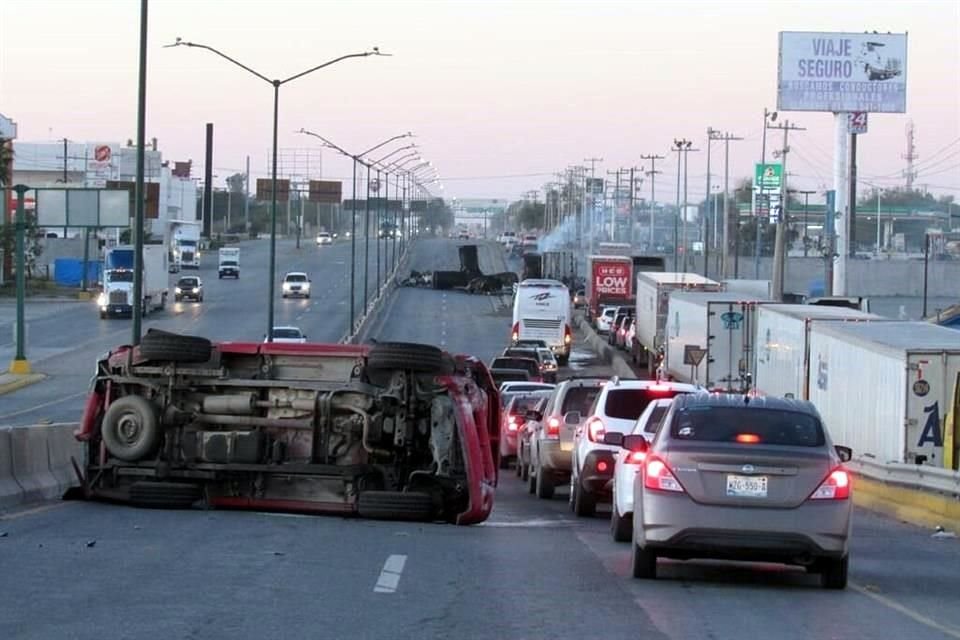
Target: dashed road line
953 632
389 578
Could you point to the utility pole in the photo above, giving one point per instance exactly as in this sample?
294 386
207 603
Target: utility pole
852 228
246 197
593 201
653 193
712 134
725 260
682 147
780 246
616 207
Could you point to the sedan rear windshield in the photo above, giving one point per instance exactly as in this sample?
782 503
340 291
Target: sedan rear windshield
749 426
628 404
517 363
523 403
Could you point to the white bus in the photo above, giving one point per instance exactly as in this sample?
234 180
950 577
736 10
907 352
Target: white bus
542 311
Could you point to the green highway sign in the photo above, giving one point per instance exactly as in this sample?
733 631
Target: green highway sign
768 178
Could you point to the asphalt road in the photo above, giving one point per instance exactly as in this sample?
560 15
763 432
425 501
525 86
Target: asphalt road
81 570
64 339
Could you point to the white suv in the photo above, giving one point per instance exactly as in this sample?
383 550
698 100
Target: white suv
605 319
295 284
615 410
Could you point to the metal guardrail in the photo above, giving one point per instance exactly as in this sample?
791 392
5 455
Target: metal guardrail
912 476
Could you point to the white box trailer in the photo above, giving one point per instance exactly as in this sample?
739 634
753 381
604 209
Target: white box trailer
761 289
883 388
782 354
650 311
719 331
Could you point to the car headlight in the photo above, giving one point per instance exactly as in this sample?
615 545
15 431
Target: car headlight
102 299
178 290
306 286
195 290
286 286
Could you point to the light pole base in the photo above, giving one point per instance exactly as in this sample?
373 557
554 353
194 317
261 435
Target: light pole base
20 367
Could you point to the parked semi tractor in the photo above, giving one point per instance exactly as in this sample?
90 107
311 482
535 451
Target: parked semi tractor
183 239
650 310
117 299
229 262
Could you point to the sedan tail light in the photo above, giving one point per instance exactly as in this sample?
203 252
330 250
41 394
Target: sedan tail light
835 487
595 430
515 334
512 423
553 427
567 334
635 457
657 476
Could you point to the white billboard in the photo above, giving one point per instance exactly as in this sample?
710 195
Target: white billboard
841 72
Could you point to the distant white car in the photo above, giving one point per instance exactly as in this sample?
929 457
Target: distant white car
627 465
324 238
287 335
295 284
605 319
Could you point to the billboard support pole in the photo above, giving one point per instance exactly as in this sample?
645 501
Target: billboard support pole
841 191
20 364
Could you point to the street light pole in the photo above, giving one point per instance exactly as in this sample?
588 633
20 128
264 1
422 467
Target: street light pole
276 84
139 188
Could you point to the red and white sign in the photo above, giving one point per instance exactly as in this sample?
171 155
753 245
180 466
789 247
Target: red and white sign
857 122
612 279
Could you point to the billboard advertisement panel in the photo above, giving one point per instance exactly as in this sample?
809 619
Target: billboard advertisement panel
840 72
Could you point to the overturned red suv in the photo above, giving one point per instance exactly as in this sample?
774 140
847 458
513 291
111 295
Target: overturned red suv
389 430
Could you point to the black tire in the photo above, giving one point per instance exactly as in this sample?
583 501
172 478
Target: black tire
395 505
103 316
422 358
519 466
177 298
504 462
165 495
644 563
621 528
833 572
531 480
525 473
131 428
584 505
545 486
160 345
563 360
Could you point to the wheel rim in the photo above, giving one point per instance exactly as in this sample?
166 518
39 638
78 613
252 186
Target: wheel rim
129 428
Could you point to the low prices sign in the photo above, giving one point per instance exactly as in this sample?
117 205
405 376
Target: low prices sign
612 279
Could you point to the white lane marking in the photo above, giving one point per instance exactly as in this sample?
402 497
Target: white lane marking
389 578
536 522
43 405
951 631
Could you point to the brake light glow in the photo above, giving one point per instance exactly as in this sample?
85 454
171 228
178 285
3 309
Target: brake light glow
516 331
658 476
553 427
635 457
659 387
512 423
595 430
835 487
748 438
602 466
567 334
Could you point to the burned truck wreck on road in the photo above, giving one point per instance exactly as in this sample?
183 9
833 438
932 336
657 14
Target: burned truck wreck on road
392 430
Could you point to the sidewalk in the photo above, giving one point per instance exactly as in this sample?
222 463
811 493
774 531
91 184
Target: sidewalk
10 382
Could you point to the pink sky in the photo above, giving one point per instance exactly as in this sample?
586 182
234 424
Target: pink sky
489 88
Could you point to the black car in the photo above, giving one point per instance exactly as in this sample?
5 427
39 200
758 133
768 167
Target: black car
188 288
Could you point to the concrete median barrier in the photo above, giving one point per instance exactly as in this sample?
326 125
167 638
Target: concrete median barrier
35 463
31 466
11 493
62 449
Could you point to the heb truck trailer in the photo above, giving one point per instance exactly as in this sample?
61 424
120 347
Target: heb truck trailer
651 305
783 345
609 282
884 388
710 338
